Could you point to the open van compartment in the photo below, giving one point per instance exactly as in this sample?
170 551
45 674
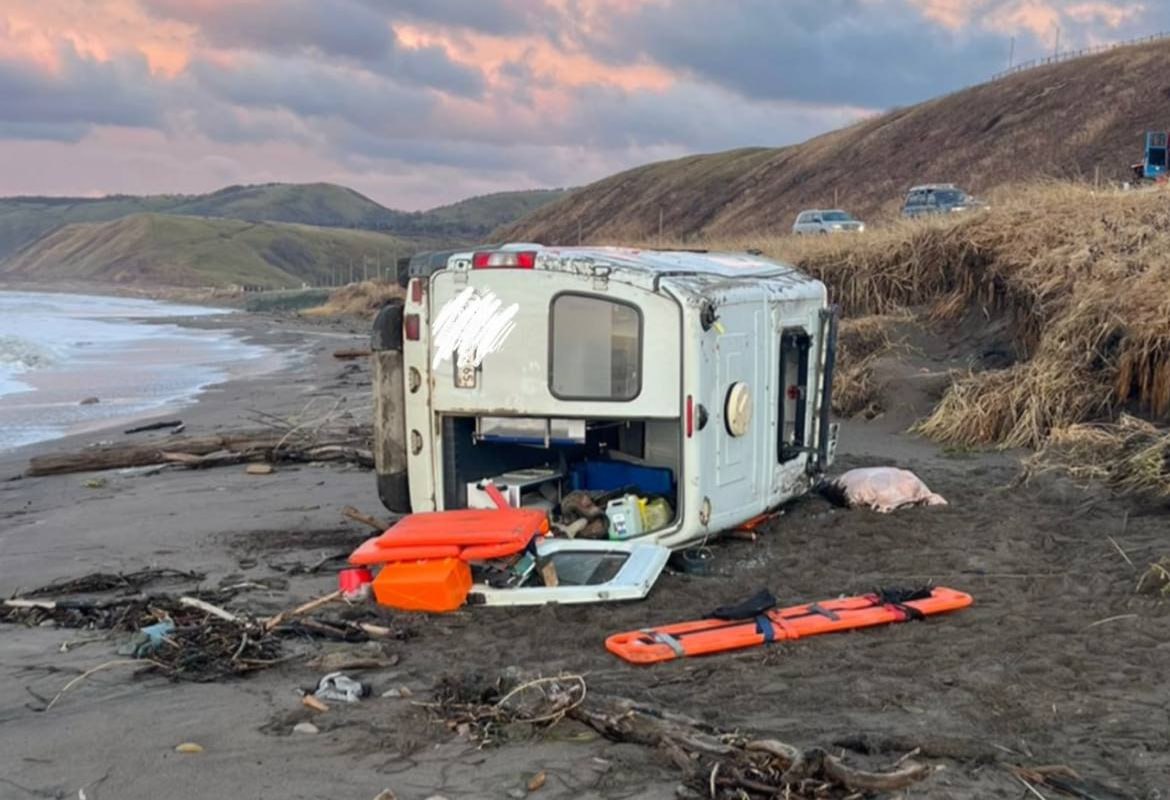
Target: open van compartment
611 459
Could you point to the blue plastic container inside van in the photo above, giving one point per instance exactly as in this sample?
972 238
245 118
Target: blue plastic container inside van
605 476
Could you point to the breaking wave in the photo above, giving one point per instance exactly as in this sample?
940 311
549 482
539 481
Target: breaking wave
19 353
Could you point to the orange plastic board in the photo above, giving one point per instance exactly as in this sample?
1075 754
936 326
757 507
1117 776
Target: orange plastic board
471 534
437 585
652 645
370 554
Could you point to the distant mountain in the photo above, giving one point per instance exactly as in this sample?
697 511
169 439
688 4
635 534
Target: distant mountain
323 204
1080 119
476 217
23 220
149 249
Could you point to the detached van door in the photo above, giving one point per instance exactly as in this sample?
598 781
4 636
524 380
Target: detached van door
735 355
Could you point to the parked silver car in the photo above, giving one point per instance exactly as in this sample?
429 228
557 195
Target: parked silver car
826 221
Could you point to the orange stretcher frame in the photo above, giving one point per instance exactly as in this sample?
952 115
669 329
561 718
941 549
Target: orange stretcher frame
466 534
702 637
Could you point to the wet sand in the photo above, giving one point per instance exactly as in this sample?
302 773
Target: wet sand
1059 661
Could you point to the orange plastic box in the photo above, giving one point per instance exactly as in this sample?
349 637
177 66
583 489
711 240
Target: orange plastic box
434 585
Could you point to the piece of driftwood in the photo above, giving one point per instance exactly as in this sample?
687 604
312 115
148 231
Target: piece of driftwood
350 354
312 605
155 426
120 456
270 446
350 512
203 605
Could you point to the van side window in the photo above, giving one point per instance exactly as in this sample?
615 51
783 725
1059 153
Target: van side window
595 350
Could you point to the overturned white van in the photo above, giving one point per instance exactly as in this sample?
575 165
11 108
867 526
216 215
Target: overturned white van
684 392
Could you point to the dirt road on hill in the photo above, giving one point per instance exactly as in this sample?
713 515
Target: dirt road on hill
1058 662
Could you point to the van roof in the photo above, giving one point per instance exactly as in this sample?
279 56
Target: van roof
926 187
705 262
693 271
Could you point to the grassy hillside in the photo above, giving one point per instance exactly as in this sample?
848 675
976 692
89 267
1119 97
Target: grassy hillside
476 217
23 220
1060 121
1078 281
324 204
170 250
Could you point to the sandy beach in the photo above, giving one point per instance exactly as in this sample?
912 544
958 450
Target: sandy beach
1059 661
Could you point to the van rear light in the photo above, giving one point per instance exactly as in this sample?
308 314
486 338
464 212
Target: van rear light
690 416
416 290
410 326
504 259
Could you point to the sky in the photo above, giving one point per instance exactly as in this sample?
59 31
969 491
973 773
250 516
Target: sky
416 103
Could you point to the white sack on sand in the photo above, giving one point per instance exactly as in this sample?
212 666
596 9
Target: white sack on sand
885 489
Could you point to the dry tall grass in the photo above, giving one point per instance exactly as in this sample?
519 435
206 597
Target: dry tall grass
358 300
1130 455
1084 277
861 342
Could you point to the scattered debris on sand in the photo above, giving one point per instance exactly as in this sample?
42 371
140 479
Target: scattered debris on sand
203 641
110 581
715 762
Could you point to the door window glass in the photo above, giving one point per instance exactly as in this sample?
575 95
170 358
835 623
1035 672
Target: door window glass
596 349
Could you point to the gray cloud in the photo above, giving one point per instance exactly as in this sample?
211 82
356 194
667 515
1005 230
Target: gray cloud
433 68
867 54
45 131
64 104
336 27
497 17
310 89
346 31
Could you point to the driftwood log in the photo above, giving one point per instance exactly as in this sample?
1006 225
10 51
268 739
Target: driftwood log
348 355
213 451
726 764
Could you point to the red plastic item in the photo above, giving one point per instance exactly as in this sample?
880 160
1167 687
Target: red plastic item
652 645
466 534
351 580
435 585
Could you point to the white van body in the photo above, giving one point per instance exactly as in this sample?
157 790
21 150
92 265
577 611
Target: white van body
714 366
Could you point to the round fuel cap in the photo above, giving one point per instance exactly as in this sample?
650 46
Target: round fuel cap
738 413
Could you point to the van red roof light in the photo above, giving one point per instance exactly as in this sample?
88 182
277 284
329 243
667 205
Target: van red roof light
504 259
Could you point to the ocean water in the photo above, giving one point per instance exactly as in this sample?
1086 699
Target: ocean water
59 349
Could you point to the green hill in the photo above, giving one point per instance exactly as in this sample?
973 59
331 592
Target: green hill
1080 119
23 220
476 217
172 250
324 204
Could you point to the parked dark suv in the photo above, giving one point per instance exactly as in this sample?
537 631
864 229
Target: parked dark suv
938 198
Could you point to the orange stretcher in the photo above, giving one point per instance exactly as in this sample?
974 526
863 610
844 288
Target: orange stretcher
465 534
652 645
